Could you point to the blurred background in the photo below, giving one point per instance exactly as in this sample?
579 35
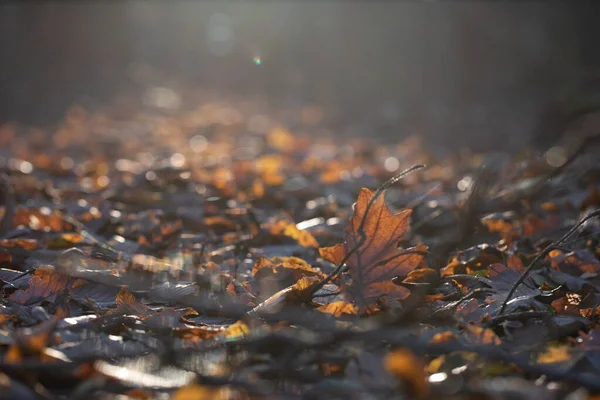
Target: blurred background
480 74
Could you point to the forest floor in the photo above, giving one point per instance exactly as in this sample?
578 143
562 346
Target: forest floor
219 253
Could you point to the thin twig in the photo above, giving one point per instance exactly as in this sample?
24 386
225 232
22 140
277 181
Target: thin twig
543 254
521 316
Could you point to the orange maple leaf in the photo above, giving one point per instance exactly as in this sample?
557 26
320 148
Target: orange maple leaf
378 259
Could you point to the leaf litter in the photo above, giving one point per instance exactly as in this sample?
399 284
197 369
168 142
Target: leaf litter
192 255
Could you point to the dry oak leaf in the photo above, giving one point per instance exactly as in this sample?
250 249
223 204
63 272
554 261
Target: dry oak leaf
373 265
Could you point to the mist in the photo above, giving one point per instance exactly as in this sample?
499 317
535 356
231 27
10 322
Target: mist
458 73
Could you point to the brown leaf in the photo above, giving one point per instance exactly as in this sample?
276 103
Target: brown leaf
373 265
335 254
45 284
129 304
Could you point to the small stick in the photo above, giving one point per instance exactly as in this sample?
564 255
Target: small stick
521 316
543 254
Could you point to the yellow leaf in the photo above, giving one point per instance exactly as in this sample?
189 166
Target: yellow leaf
435 364
338 308
289 229
278 264
235 331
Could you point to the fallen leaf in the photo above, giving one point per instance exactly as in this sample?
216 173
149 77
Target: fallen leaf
235 331
373 265
45 284
127 303
276 273
289 229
